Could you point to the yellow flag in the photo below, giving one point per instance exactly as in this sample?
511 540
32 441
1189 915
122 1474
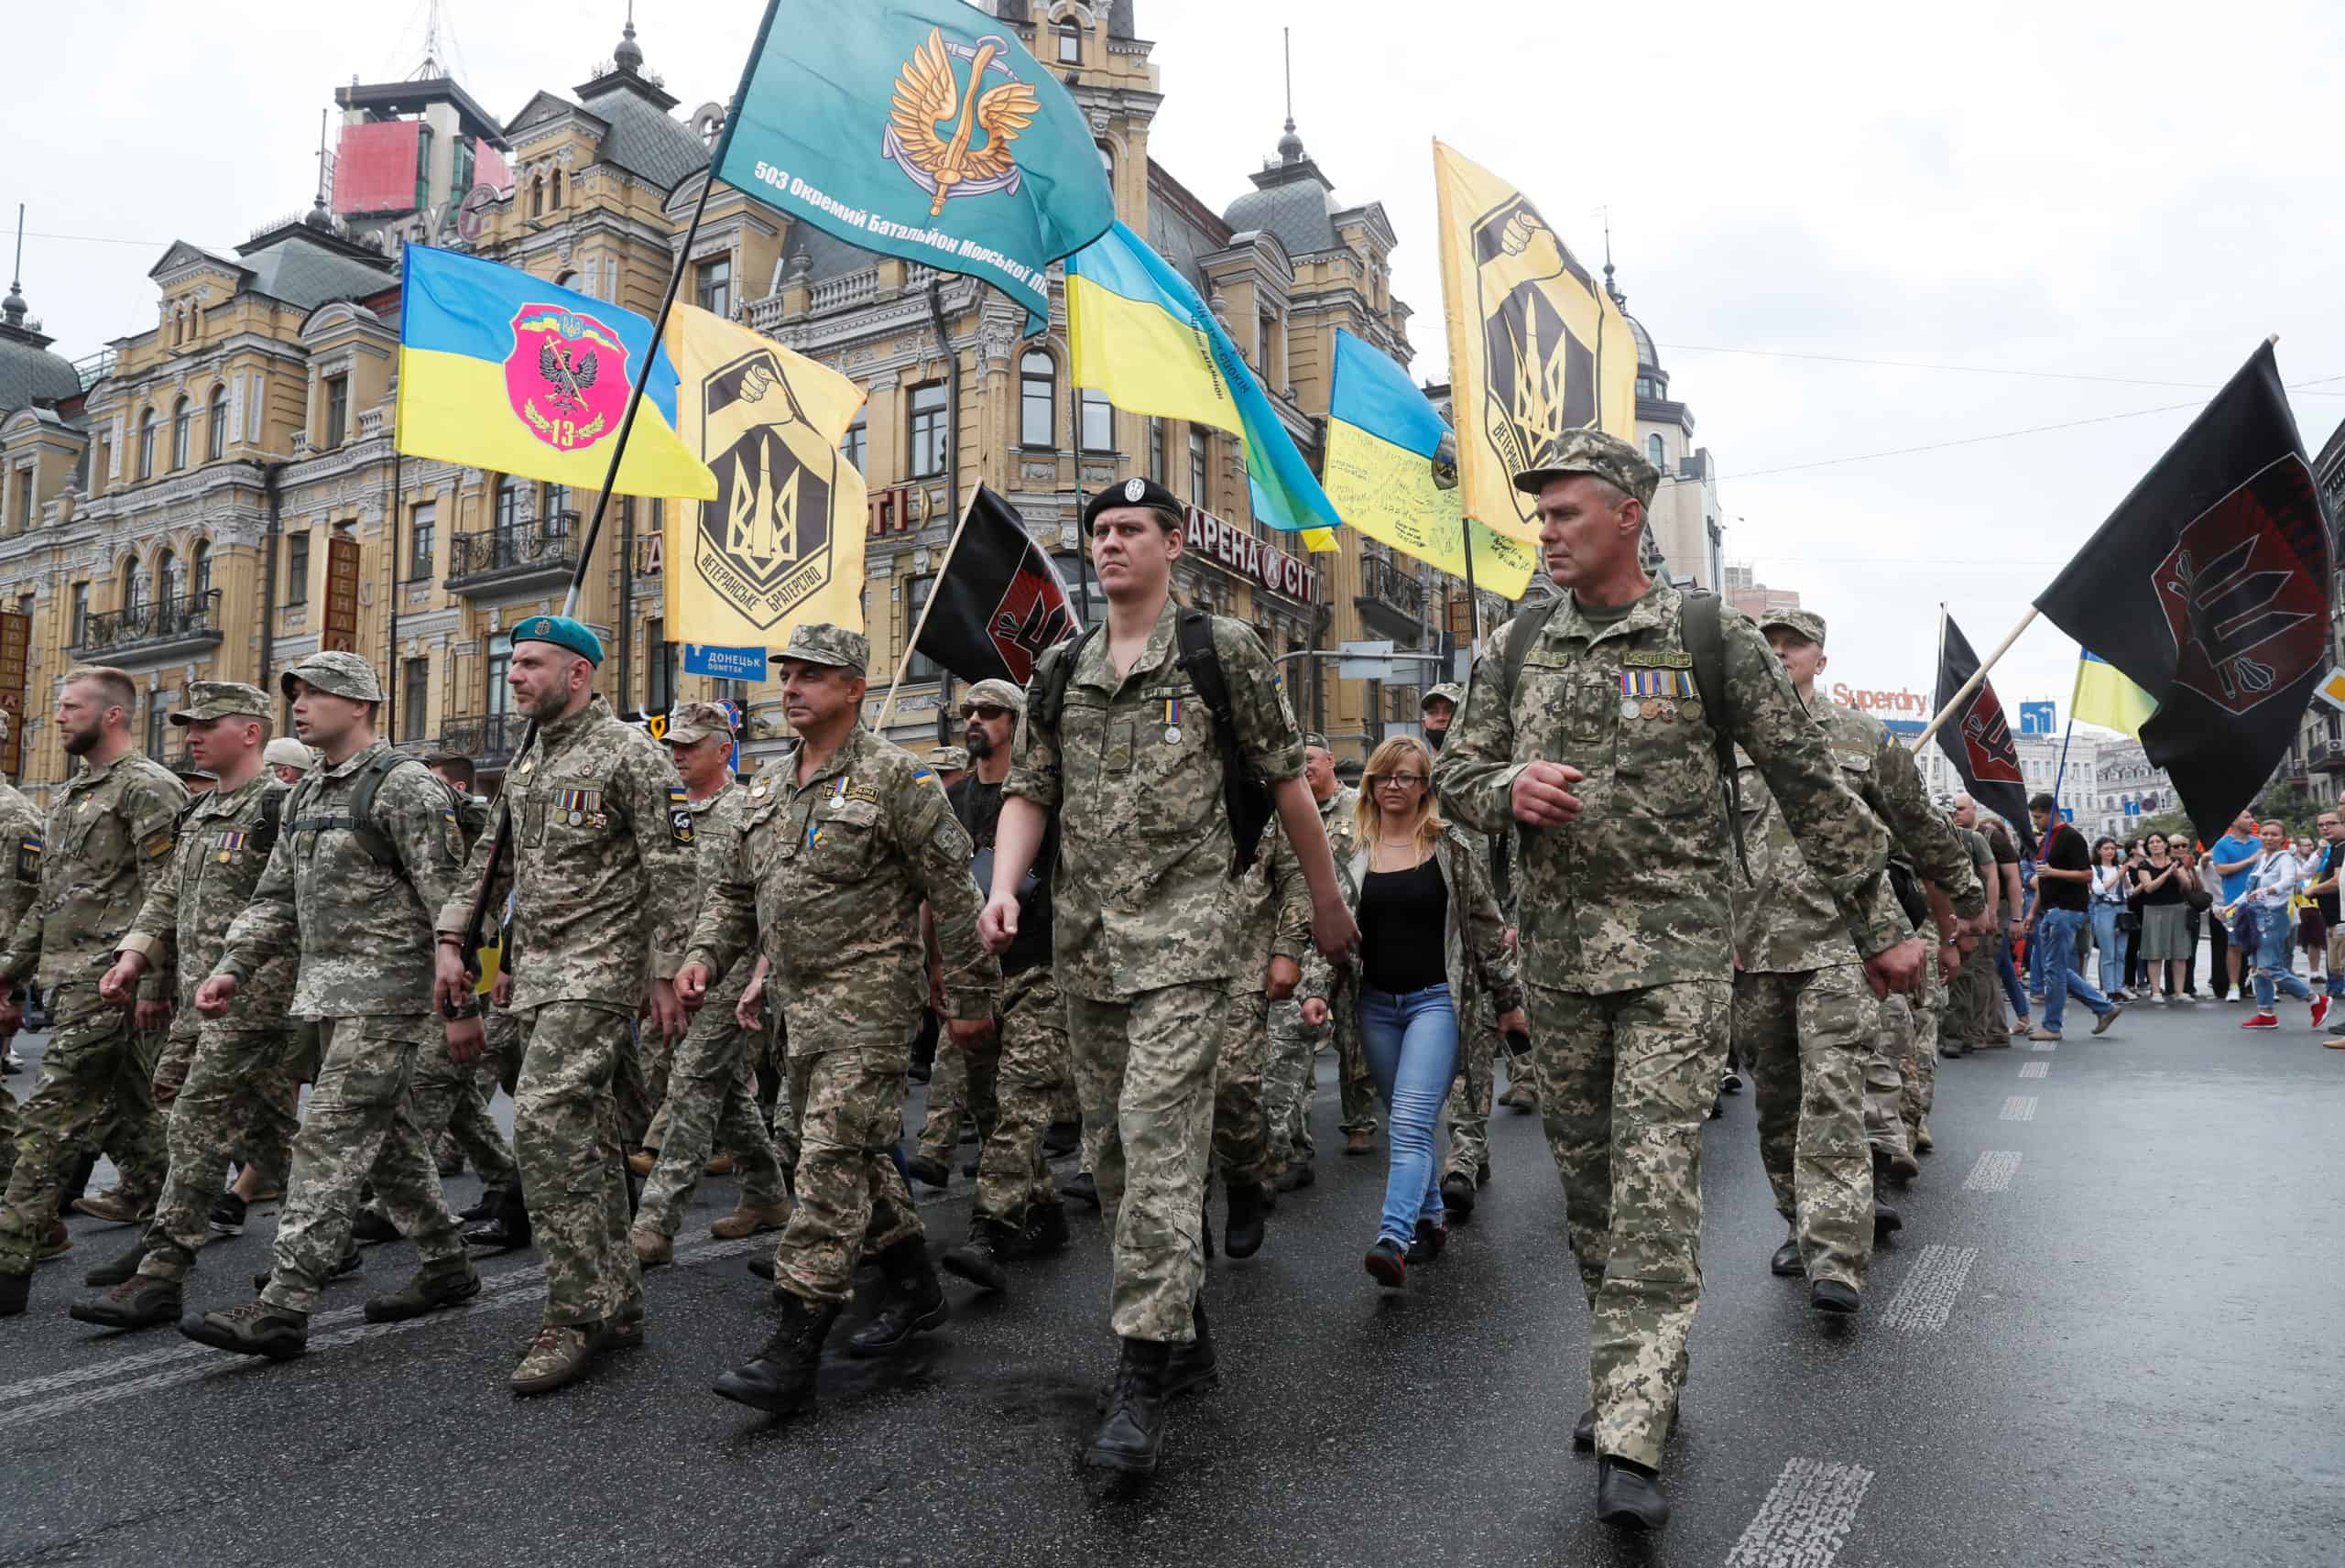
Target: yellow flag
782 543
1537 347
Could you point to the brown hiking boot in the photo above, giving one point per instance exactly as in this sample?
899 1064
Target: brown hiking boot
1359 1141
642 1161
435 1287
556 1357
56 1244
114 1208
651 1249
720 1165
750 1219
1922 1142
255 1328
139 1301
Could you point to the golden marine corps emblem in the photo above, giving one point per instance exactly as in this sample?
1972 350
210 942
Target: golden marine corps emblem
934 130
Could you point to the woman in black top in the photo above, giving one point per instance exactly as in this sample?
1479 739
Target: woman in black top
2163 883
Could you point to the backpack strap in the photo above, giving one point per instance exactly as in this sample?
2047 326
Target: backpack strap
1520 635
1055 674
1705 634
1242 798
359 820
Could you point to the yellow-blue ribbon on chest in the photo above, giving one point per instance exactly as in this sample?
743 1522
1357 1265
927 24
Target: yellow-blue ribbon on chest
226 843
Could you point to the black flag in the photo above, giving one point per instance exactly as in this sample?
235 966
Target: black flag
1001 602
2208 589
1977 738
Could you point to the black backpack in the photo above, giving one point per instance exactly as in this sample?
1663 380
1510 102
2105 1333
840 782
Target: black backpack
360 818
1705 640
1244 794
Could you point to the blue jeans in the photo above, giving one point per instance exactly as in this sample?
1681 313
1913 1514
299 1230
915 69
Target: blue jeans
2056 938
2008 973
1411 1042
2111 942
2272 931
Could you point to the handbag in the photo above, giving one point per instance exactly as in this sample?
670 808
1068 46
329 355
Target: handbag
2198 898
2127 921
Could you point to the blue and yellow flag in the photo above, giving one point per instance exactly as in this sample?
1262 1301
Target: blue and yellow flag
502 372
1382 438
922 129
2103 696
1137 331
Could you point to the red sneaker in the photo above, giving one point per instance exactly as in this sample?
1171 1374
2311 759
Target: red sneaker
2262 1020
2320 1010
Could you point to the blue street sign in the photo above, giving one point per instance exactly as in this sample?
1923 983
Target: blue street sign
2068 815
725 663
2038 718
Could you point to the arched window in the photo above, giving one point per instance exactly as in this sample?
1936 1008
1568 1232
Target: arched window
1038 393
557 190
1108 161
215 440
508 502
202 573
171 578
1655 453
133 587
537 198
147 444
183 432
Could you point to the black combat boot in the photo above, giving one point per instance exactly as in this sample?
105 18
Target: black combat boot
1045 1232
1192 1366
1249 1209
979 1260
435 1286
914 1303
16 1290
1132 1434
779 1379
508 1229
1628 1495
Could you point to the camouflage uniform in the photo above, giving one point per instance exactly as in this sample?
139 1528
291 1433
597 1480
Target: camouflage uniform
1273 915
1624 938
1971 999
362 929
227 1103
1473 1090
20 831
1291 1082
948 1101
601 872
450 1098
1146 919
712 1076
827 878
108 844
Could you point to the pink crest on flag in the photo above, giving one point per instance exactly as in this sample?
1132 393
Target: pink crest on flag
566 376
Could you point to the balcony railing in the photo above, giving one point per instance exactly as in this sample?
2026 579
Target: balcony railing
1393 604
192 620
487 738
548 546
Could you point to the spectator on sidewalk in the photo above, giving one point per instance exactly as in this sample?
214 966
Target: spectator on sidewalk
2274 880
2323 891
2163 884
2109 890
2229 864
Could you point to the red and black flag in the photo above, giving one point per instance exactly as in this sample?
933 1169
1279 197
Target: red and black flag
2208 589
1976 738
1001 602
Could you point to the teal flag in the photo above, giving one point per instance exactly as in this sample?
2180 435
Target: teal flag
920 129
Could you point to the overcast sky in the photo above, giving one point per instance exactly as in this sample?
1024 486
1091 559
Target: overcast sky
2073 212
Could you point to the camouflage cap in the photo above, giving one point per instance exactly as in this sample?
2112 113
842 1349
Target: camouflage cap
820 642
1806 623
948 758
1607 457
1449 692
222 700
1313 739
689 721
287 752
337 674
999 692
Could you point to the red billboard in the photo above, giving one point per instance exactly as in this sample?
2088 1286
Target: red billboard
374 171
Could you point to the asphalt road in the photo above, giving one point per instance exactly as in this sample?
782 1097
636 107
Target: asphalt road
2109 1334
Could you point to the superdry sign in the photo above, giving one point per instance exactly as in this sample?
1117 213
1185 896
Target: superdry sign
1227 544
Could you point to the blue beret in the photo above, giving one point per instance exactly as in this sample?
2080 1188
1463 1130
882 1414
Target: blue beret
562 631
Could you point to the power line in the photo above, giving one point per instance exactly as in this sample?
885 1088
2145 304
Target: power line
92 239
1924 364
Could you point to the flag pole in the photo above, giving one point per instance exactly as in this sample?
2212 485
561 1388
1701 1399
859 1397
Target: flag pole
478 916
911 643
2062 772
1976 676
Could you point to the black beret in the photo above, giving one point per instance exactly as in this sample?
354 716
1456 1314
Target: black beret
1132 492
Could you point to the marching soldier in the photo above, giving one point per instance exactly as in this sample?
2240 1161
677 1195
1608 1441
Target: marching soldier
226 1079
108 842
843 839
20 829
1292 1080
367 848
600 869
1596 727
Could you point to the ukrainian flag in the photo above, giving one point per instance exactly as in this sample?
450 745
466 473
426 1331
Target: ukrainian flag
500 371
1382 437
2103 696
1138 333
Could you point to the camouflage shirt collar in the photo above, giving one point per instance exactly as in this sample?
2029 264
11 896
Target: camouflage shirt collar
846 759
1657 607
357 759
714 799
221 801
595 709
1096 669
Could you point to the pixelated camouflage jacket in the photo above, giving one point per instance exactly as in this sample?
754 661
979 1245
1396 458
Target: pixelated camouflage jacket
108 841
223 846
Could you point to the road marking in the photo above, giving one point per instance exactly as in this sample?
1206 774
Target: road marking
1926 1298
2043 1045
1805 1518
2019 1109
2036 1070
1993 1172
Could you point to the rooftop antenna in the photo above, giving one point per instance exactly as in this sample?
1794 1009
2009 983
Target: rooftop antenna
1286 37
431 66
1609 288
12 308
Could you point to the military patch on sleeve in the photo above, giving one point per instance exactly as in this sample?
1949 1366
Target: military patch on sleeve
28 860
158 845
680 816
922 775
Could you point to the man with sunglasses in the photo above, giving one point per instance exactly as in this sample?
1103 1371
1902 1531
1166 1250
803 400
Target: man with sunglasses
1014 1075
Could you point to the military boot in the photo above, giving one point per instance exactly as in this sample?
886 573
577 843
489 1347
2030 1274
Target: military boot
556 1357
914 1302
16 1290
115 1207
56 1243
780 1378
139 1301
1192 1366
750 1219
508 1229
435 1286
1130 1435
1045 1230
115 1270
257 1328
979 1260
1249 1209
651 1249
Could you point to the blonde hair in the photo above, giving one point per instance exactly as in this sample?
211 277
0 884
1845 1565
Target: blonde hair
1387 759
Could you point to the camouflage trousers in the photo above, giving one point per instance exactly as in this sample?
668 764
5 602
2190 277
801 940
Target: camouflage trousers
1354 1082
448 1100
712 1096
572 1150
1241 1128
1471 1094
229 1106
1625 1084
1971 999
1144 1067
1910 1028
1805 1038
948 1101
1014 1081
1290 1082
8 1130
361 1118
96 1093
852 1201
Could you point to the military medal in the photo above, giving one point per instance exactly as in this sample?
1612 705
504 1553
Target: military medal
1173 721
1692 711
1630 707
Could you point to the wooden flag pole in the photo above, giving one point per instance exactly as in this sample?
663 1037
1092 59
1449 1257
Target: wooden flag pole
1976 676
